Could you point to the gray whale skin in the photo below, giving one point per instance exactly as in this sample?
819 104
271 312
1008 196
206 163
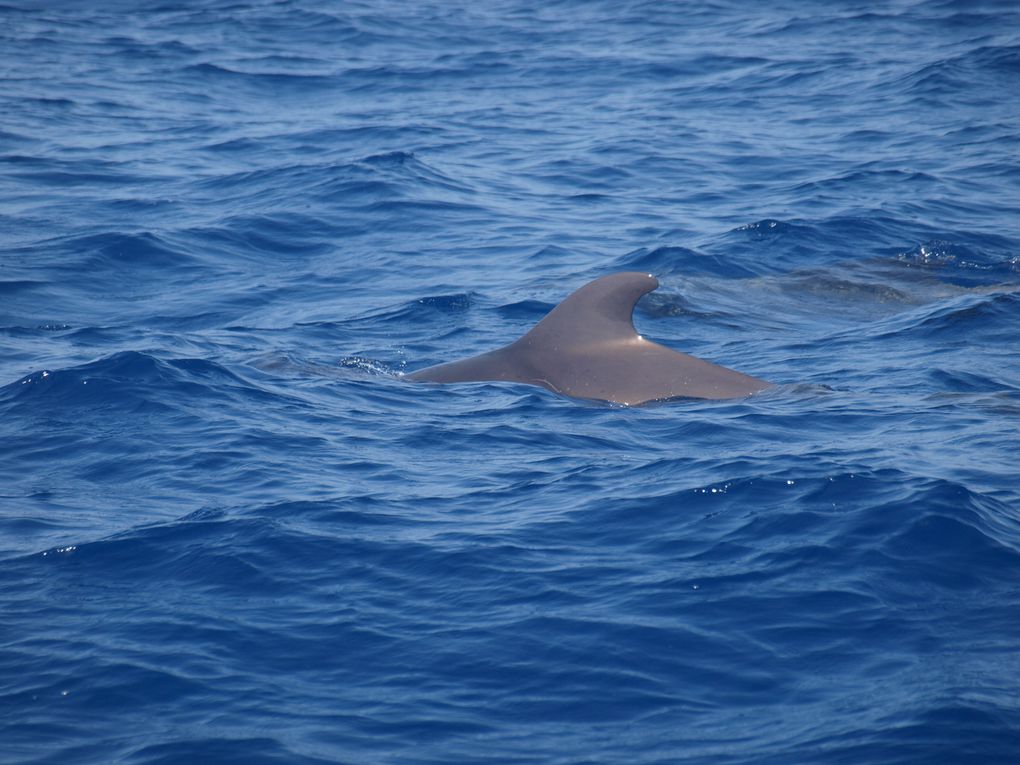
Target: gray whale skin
586 347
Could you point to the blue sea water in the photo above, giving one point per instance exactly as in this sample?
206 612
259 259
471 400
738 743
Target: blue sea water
231 533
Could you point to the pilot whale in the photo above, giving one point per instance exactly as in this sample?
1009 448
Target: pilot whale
586 347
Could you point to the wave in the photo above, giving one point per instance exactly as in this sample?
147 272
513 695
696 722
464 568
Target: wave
679 261
963 264
129 381
950 319
950 77
423 309
391 178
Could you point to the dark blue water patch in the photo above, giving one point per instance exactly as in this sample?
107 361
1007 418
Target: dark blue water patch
281 234
1004 59
960 264
375 188
15 286
773 243
142 251
218 751
525 310
446 303
679 261
386 137
777 245
71 388
952 320
662 304
408 168
575 174
142 50
10 137
130 381
967 381
78 268
444 309
245 146
62 174
950 77
178 553
273 83
505 654
548 253
873 177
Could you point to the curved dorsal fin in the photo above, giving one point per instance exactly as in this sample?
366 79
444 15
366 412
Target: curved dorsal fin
586 347
599 311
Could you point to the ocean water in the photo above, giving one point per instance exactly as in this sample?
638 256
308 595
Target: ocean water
231 533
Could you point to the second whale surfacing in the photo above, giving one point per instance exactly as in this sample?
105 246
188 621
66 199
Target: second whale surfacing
586 347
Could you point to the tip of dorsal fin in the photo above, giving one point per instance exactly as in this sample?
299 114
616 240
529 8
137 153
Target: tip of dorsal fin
600 310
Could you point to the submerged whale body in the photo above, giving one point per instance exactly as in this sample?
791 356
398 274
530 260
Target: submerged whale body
586 347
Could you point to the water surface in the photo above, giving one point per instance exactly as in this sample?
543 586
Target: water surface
231 533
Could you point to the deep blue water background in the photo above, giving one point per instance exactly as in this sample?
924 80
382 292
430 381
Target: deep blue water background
230 533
